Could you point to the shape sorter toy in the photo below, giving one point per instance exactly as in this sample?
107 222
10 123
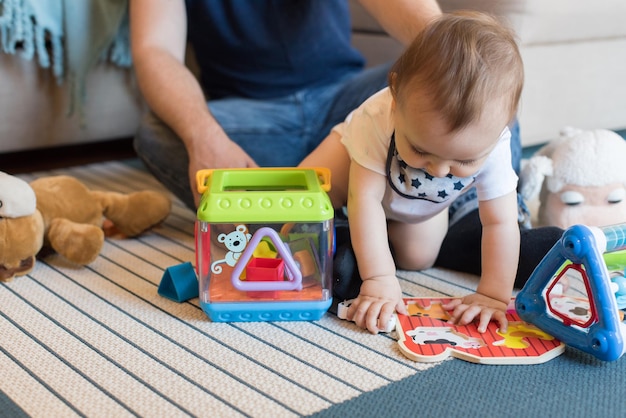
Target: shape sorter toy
264 242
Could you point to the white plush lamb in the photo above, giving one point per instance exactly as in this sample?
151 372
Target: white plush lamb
580 178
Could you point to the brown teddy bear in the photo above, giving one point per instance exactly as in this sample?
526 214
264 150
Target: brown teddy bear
61 213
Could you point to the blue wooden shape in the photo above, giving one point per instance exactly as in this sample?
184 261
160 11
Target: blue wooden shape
179 283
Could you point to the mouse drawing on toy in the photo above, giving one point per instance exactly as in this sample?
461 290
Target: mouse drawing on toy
235 242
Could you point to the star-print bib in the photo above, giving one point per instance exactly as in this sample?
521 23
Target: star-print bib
415 195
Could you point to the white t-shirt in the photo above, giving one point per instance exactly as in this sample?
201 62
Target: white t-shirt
412 195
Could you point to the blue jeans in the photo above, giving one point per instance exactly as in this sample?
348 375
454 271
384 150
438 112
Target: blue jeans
275 132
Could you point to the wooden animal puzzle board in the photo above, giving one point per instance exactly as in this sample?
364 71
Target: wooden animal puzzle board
425 336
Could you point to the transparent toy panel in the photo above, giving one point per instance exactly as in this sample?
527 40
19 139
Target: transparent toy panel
568 297
259 262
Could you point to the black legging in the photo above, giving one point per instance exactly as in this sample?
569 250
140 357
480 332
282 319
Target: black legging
460 251
461 248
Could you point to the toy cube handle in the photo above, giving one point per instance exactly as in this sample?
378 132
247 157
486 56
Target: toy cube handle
202 179
323 175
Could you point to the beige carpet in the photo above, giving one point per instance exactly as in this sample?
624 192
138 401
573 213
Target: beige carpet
100 341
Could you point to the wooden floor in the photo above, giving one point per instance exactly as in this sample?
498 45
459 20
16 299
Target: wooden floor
66 156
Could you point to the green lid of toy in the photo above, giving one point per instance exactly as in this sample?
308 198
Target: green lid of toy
269 195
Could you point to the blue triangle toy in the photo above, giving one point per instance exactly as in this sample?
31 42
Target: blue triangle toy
179 283
572 295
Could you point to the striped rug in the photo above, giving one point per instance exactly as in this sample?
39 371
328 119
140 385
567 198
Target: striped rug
100 341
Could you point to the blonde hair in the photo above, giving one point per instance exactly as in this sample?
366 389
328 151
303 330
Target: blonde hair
464 59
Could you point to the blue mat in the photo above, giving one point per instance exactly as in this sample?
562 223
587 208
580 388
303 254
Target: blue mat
8 408
574 384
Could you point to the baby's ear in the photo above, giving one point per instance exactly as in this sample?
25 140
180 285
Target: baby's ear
533 174
393 79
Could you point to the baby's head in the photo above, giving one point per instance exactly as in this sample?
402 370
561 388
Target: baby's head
463 60
460 81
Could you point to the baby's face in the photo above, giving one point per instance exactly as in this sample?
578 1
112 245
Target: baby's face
424 141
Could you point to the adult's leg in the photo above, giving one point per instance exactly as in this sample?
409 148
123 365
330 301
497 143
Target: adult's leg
261 128
273 132
334 105
165 156
295 125
354 91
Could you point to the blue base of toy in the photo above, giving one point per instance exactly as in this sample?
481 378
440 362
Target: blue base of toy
265 311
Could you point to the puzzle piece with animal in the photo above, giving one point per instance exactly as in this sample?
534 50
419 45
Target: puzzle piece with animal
424 335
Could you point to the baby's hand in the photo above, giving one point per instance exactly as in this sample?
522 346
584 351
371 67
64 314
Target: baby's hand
478 306
377 301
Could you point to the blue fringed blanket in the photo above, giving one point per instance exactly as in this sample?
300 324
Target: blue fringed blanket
67 36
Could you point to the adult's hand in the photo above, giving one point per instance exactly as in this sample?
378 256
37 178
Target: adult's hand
215 151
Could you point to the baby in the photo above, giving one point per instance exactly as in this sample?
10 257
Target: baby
410 150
